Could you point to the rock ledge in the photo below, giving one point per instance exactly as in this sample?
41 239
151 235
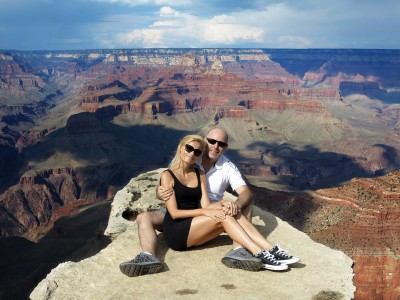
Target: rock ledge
323 273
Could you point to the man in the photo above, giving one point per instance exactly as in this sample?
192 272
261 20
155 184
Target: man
220 173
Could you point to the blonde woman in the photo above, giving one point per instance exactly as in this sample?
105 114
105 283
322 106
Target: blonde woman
191 220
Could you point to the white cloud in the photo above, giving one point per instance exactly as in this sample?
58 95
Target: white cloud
48 24
164 32
279 25
227 30
163 24
166 11
178 29
148 38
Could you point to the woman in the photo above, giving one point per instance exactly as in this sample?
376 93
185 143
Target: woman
191 220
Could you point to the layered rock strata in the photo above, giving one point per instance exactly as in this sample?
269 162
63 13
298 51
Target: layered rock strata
361 218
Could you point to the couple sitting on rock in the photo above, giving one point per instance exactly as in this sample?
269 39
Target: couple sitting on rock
193 189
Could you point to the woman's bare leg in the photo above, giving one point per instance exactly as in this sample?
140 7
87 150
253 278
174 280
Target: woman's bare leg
253 232
204 229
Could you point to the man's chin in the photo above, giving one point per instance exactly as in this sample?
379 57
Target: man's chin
213 155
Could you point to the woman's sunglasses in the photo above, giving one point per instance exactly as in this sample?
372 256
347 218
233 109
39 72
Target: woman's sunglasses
190 149
220 144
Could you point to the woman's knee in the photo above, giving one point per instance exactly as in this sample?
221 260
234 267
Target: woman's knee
229 219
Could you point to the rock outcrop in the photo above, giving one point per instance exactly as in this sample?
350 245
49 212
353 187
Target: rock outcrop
322 273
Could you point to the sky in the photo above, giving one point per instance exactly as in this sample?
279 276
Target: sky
122 24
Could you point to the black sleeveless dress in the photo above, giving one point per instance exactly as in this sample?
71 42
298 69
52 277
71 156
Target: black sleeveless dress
176 231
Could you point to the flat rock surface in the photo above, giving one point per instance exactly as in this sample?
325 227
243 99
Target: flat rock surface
322 273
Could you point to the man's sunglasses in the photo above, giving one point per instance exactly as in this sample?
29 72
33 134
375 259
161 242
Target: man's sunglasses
220 144
190 149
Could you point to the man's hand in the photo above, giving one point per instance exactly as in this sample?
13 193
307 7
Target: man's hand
164 193
230 208
234 209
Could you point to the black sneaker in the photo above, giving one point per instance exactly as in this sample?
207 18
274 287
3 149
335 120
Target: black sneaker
142 264
241 259
283 256
269 262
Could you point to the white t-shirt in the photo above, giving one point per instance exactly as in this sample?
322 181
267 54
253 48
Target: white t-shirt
222 174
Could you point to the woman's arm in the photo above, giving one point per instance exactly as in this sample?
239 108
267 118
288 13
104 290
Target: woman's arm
168 182
205 200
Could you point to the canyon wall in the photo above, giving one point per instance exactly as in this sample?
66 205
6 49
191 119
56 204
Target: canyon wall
75 126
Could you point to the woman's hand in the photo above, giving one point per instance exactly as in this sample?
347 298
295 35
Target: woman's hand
164 193
217 214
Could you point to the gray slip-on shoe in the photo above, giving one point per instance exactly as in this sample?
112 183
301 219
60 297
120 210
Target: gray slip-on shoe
142 264
241 259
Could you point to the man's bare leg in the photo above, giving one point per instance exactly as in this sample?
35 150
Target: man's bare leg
147 223
146 262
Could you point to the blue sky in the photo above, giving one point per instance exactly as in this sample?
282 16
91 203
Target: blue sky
94 24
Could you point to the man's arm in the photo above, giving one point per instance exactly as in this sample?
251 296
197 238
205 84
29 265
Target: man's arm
245 197
164 193
243 201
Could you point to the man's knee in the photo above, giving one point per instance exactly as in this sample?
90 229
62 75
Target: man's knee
143 218
147 218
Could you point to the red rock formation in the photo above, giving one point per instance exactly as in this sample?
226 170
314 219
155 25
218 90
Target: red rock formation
376 276
181 91
284 105
31 207
361 218
18 77
30 137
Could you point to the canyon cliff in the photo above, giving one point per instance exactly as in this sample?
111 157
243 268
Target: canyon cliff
75 126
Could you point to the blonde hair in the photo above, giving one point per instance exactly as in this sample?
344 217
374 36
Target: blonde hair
176 161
